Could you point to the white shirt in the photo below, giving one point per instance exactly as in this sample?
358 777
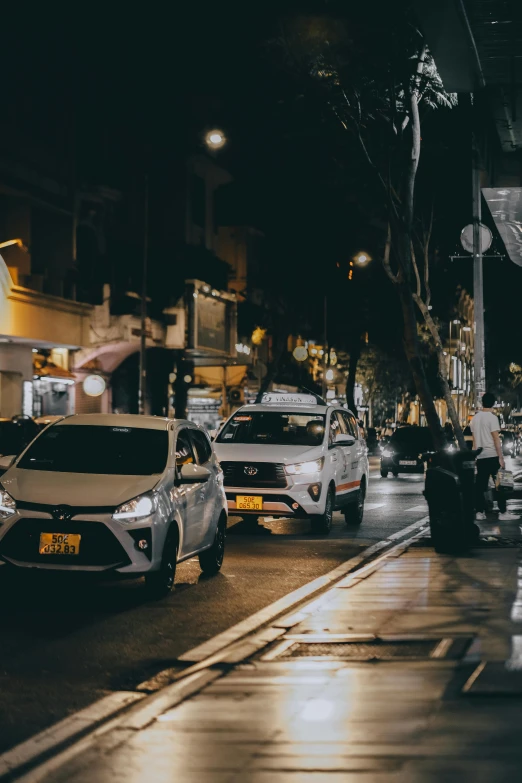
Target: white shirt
482 425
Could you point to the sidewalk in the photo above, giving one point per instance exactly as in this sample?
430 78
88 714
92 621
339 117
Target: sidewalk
300 711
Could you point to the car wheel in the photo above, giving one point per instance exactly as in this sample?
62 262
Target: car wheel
211 560
384 473
353 514
160 583
323 523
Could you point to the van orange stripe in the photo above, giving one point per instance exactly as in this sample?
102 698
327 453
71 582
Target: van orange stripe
350 485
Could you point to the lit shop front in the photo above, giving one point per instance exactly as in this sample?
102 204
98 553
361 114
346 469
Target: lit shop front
33 324
52 387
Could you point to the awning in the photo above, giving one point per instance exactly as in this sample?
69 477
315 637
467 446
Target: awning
53 372
216 376
505 205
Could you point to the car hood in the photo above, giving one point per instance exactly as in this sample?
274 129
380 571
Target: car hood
259 452
74 489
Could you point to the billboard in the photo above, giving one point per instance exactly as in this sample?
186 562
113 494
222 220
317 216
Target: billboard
211 324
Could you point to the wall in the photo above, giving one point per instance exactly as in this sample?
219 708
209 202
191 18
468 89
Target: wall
30 315
16 366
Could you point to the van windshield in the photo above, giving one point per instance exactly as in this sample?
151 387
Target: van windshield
123 451
276 428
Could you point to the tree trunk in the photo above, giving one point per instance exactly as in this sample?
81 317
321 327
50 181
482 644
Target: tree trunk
413 354
446 391
406 407
355 355
404 248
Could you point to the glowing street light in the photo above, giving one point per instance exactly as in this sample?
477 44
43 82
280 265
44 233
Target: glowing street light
362 258
215 139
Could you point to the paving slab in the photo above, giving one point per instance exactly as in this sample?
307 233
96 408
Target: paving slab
326 721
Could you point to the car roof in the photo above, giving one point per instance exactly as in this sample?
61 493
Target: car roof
117 420
293 408
421 430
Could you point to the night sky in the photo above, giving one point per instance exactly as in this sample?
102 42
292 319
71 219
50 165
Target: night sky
147 80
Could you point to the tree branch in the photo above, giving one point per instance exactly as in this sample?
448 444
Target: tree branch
417 275
427 239
386 258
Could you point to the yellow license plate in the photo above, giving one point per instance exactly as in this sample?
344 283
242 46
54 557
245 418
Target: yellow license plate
249 502
59 544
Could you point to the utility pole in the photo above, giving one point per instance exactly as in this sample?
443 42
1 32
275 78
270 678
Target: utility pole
325 341
142 388
478 279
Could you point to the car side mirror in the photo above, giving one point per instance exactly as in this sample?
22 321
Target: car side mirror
343 440
194 474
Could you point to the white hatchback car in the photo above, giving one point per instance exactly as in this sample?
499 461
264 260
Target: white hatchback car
115 493
292 457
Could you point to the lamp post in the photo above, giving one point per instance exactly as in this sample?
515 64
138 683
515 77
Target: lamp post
361 259
142 388
214 140
325 346
478 278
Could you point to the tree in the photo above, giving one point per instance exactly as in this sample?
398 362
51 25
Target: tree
384 379
422 298
377 77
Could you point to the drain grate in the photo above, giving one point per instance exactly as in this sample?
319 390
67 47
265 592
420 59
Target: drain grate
485 542
377 649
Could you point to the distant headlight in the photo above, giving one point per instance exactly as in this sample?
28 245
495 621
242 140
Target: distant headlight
387 453
450 447
137 508
304 468
7 505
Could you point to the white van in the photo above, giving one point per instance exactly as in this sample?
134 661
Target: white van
291 456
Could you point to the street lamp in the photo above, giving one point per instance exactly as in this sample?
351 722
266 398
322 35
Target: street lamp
362 258
215 139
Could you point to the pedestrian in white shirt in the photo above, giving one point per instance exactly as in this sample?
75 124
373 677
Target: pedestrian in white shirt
485 428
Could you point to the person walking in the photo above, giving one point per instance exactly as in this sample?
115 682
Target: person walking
485 428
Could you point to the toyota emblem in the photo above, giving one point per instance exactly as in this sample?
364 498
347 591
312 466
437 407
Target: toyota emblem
250 470
62 513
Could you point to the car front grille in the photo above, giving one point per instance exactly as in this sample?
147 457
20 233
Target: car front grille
98 546
265 474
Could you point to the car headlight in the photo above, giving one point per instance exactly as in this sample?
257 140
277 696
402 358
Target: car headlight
7 505
135 509
305 468
450 447
387 453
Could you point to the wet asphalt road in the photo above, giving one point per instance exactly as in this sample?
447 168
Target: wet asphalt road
65 644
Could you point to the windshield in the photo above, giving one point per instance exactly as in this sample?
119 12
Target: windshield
413 437
124 451
278 429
